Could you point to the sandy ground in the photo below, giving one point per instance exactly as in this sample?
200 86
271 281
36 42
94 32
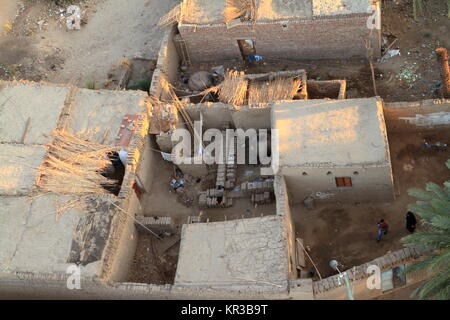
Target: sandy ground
7 11
115 29
347 232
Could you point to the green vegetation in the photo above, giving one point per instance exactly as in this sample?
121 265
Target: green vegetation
417 8
11 70
143 85
91 85
433 207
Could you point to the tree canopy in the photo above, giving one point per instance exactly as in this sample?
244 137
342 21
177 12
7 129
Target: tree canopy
433 207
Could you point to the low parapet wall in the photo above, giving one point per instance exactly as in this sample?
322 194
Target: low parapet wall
284 210
216 114
54 286
326 89
121 244
333 288
417 116
167 65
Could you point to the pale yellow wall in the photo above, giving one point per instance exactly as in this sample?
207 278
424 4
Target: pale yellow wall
371 184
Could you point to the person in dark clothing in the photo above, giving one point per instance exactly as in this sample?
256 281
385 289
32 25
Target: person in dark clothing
410 221
382 227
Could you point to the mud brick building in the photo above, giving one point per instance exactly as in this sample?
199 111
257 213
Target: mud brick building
282 29
334 150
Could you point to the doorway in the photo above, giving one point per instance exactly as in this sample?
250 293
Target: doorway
246 46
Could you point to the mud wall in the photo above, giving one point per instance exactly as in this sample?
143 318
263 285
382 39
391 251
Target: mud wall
215 114
417 116
283 209
246 118
330 289
331 89
121 245
321 38
145 169
53 286
369 184
167 65
124 242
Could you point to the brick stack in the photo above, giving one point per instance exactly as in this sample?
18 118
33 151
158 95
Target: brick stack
261 198
230 161
221 176
250 188
194 219
214 198
225 179
158 225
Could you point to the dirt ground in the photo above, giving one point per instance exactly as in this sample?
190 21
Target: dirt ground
347 232
39 48
7 12
151 267
155 261
162 201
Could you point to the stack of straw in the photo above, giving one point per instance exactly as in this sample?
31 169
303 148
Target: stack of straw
263 92
73 166
233 89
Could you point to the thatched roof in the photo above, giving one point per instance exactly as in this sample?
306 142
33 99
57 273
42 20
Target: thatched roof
239 89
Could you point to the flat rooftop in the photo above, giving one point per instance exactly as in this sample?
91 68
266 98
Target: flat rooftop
33 237
331 132
211 11
96 114
339 7
223 253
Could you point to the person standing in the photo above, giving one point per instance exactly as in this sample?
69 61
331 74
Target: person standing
382 228
411 221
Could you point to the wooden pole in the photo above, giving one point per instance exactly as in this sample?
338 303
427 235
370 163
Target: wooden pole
25 132
375 91
442 55
370 58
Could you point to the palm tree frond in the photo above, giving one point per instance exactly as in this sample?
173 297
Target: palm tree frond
433 187
420 194
433 207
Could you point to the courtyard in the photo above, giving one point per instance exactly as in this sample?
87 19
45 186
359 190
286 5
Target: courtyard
347 232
